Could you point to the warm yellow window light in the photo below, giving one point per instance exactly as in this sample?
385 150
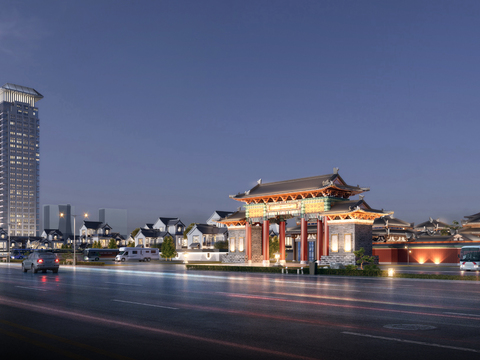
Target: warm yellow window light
348 243
334 243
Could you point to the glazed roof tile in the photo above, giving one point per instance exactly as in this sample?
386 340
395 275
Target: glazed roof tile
298 185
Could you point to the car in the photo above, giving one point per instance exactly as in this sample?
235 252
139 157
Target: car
41 260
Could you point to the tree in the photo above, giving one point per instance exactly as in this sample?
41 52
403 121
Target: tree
451 229
362 258
131 244
66 246
135 232
96 245
112 244
187 230
168 248
273 246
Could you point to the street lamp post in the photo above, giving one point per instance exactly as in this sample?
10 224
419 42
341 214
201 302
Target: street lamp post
74 239
408 254
9 248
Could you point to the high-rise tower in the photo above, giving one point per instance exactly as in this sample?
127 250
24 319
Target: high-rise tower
19 160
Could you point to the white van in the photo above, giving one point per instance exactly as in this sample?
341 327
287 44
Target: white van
137 254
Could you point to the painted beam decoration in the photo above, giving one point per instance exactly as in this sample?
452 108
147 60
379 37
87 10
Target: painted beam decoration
314 207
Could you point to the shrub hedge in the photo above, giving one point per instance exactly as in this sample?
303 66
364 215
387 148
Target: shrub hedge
85 263
328 271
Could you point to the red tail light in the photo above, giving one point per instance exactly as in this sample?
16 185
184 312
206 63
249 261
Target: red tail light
40 261
57 261
474 263
463 263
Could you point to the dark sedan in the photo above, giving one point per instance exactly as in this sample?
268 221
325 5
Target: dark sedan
41 261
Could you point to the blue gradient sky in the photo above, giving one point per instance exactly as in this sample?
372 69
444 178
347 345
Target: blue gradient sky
166 107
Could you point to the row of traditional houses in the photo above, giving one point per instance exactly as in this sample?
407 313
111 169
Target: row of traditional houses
90 232
201 236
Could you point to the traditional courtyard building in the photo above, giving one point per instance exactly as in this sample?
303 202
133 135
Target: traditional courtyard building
429 246
471 225
390 229
54 236
204 236
175 228
235 223
342 225
153 234
431 227
92 231
217 215
150 237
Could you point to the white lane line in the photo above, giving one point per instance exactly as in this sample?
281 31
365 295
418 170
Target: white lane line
313 286
452 313
412 342
30 288
137 303
117 283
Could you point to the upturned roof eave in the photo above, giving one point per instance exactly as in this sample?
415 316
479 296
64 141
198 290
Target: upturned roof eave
352 190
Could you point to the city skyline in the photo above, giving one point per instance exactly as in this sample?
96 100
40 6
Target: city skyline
166 109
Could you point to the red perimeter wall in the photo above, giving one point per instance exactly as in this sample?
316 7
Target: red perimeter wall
418 255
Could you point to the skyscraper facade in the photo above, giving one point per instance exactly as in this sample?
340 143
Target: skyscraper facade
52 219
19 160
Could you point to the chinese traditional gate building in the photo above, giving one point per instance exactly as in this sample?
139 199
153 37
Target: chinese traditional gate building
342 225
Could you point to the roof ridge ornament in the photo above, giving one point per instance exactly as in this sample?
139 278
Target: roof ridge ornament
259 181
327 182
335 170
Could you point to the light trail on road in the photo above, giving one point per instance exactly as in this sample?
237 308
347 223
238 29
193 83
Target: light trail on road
96 319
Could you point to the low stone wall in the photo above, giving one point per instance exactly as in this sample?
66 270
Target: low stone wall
348 259
232 258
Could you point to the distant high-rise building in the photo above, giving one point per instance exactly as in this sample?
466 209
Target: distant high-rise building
19 160
116 218
53 221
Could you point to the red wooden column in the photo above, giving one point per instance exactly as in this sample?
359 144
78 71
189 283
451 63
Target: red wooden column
281 241
326 239
265 241
303 242
248 238
320 239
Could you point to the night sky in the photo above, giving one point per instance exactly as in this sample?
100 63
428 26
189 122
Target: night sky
165 108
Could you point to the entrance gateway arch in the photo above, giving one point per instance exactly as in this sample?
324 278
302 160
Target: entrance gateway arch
343 225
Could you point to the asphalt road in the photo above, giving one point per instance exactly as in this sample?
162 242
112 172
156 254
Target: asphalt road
151 311
430 269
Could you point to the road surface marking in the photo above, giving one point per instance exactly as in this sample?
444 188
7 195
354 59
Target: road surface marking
314 286
117 283
31 288
452 313
412 342
152 305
